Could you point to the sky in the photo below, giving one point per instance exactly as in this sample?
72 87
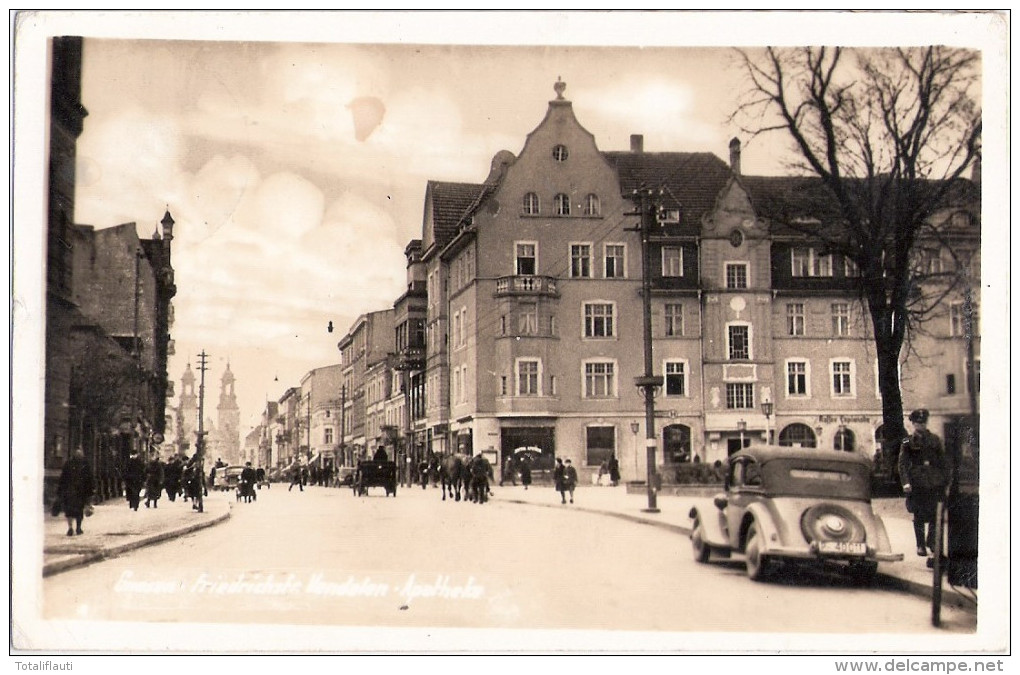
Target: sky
293 150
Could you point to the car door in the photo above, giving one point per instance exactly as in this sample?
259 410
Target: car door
745 489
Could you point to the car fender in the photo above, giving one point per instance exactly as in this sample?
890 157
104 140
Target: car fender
758 514
710 519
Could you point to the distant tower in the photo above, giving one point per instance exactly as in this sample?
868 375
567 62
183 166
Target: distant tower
187 413
228 420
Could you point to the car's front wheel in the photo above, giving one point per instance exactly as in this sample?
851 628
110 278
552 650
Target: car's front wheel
757 563
702 551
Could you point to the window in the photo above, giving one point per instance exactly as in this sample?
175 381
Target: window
527 318
562 204
674 317
560 153
456 329
600 445
842 378
797 436
930 261
527 258
807 262
672 261
552 385
958 319
598 320
795 318
739 342
669 215
592 207
580 260
599 379
502 385
736 275
528 377
950 383
676 443
843 440
615 257
796 378
327 436
676 378
850 268
841 318
739 395
531 206
502 325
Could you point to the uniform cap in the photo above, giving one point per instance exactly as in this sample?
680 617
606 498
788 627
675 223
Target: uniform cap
919 416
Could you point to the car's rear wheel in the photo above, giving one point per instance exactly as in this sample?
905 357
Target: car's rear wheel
702 551
757 563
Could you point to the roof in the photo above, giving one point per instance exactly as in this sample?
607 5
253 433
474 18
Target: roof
692 181
766 453
450 203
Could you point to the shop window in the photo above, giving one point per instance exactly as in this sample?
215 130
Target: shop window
676 443
600 445
797 435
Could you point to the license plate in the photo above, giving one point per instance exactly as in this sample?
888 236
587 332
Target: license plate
844 547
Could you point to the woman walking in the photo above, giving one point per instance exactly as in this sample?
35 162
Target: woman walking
558 480
75 490
525 473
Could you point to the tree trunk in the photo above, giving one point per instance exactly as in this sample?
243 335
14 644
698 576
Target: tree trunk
888 343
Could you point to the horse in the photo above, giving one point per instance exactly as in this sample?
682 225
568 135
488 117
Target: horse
453 474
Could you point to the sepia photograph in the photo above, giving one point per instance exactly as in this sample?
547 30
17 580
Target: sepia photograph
510 333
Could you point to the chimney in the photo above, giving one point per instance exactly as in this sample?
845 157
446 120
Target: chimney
735 156
637 143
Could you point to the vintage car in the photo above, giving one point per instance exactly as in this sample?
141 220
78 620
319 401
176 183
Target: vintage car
785 506
227 477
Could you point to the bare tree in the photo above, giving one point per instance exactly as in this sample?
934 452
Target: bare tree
884 136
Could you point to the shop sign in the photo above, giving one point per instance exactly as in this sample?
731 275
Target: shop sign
844 419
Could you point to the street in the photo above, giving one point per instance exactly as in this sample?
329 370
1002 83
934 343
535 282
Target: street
325 557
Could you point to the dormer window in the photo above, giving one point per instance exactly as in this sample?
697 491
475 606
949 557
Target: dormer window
562 203
669 215
531 204
560 153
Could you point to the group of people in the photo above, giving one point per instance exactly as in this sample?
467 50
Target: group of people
512 468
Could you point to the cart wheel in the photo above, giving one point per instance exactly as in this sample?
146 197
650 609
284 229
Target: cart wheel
938 564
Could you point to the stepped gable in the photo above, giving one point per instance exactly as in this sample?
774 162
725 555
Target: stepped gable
450 203
691 180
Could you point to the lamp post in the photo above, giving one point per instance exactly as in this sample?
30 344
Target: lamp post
741 427
766 409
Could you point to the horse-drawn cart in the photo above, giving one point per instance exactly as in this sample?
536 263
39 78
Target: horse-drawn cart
375 474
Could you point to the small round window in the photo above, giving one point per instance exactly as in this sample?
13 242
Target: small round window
560 153
736 238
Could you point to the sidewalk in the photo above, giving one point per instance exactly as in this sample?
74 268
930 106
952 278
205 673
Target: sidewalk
911 574
115 529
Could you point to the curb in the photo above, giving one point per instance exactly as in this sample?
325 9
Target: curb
949 596
81 560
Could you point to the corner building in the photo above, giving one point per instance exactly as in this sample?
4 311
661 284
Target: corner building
534 313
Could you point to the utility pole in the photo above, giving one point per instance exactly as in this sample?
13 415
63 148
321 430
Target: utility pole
200 441
648 383
136 352
343 414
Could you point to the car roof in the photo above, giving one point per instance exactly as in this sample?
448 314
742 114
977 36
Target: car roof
766 453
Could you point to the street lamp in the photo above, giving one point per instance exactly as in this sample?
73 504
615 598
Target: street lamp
766 409
741 427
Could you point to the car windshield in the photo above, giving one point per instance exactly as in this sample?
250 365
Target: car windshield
823 479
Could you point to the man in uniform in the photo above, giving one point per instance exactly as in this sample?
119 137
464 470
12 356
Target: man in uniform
924 473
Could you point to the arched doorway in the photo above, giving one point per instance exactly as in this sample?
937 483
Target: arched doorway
798 435
676 444
844 440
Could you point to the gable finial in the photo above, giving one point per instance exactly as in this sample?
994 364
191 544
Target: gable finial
559 87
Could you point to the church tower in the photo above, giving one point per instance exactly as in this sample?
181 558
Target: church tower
228 420
187 413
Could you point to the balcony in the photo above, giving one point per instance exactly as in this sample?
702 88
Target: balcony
410 358
526 284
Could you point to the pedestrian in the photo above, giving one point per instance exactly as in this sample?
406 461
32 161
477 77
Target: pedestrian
154 475
247 482
603 471
74 491
172 475
525 473
260 476
134 478
924 474
297 475
614 471
380 455
509 471
569 478
558 475
423 473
